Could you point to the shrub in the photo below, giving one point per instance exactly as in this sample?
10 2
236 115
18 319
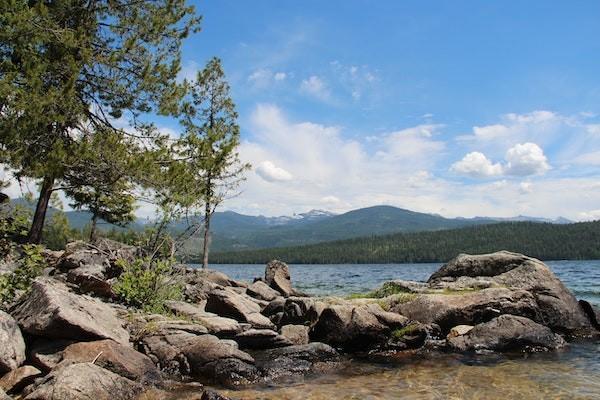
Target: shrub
31 265
387 289
146 284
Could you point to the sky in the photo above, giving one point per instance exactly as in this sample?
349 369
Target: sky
462 108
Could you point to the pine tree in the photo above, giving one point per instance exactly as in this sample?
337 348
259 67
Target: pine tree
209 144
73 65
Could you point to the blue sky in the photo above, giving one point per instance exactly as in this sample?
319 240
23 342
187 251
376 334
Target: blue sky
458 108
461 108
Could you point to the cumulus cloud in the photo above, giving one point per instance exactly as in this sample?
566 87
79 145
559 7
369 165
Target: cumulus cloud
521 160
272 173
526 159
476 165
315 87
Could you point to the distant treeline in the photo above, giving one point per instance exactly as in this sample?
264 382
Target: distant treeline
540 240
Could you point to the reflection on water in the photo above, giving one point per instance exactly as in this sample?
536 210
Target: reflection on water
568 375
572 374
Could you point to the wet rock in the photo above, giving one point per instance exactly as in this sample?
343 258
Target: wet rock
51 310
120 359
262 291
91 279
216 325
212 395
412 336
261 339
16 380
508 333
349 327
230 304
592 312
459 330
45 354
277 276
296 334
12 345
220 360
84 382
299 360
556 307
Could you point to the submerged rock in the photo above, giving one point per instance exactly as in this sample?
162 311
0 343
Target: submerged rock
508 333
12 345
51 310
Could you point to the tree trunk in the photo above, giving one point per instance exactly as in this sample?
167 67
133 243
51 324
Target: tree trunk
35 232
207 215
93 228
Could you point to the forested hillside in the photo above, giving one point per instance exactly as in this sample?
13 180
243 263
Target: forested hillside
540 240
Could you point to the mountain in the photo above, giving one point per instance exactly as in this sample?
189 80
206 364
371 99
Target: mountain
540 240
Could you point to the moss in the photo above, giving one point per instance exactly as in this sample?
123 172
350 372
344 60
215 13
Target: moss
387 289
401 332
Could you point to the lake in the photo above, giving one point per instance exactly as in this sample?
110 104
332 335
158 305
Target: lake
569 374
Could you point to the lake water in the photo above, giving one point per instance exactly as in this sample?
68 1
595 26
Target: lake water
570 374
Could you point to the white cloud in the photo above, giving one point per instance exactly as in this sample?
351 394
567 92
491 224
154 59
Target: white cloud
591 158
315 87
264 77
526 159
525 187
591 215
521 160
330 200
476 165
272 173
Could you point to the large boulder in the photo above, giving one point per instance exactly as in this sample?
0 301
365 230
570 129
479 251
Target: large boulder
507 333
84 382
349 327
556 307
12 350
120 359
302 310
51 310
230 304
468 308
91 278
277 276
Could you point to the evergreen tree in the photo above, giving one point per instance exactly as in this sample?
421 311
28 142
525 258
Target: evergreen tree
209 144
69 66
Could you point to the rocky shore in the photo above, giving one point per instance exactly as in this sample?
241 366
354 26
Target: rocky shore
68 338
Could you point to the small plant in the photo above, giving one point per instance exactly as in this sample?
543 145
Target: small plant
147 284
31 265
387 289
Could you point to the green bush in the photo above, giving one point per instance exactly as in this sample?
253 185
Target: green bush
14 225
31 265
146 284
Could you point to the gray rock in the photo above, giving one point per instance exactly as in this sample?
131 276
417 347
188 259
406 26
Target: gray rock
302 311
296 334
12 350
349 327
592 312
299 360
261 339
120 359
262 291
277 276
51 310
45 354
507 333
91 279
17 379
556 307
212 395
4 396
216 325
459 330
230 304
468 308
84 382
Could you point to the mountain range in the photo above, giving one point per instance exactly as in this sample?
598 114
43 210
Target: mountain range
232 231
